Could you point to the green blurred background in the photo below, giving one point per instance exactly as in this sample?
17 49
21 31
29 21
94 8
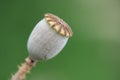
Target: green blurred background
93 53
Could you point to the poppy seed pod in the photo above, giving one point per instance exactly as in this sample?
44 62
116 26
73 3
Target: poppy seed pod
48 37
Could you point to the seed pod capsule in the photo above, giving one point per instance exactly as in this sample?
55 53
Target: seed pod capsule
48 37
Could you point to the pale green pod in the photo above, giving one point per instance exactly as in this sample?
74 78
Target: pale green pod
48 38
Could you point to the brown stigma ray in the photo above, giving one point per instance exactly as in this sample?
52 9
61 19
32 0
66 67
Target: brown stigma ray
55 21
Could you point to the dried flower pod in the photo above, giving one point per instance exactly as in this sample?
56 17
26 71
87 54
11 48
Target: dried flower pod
48 37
